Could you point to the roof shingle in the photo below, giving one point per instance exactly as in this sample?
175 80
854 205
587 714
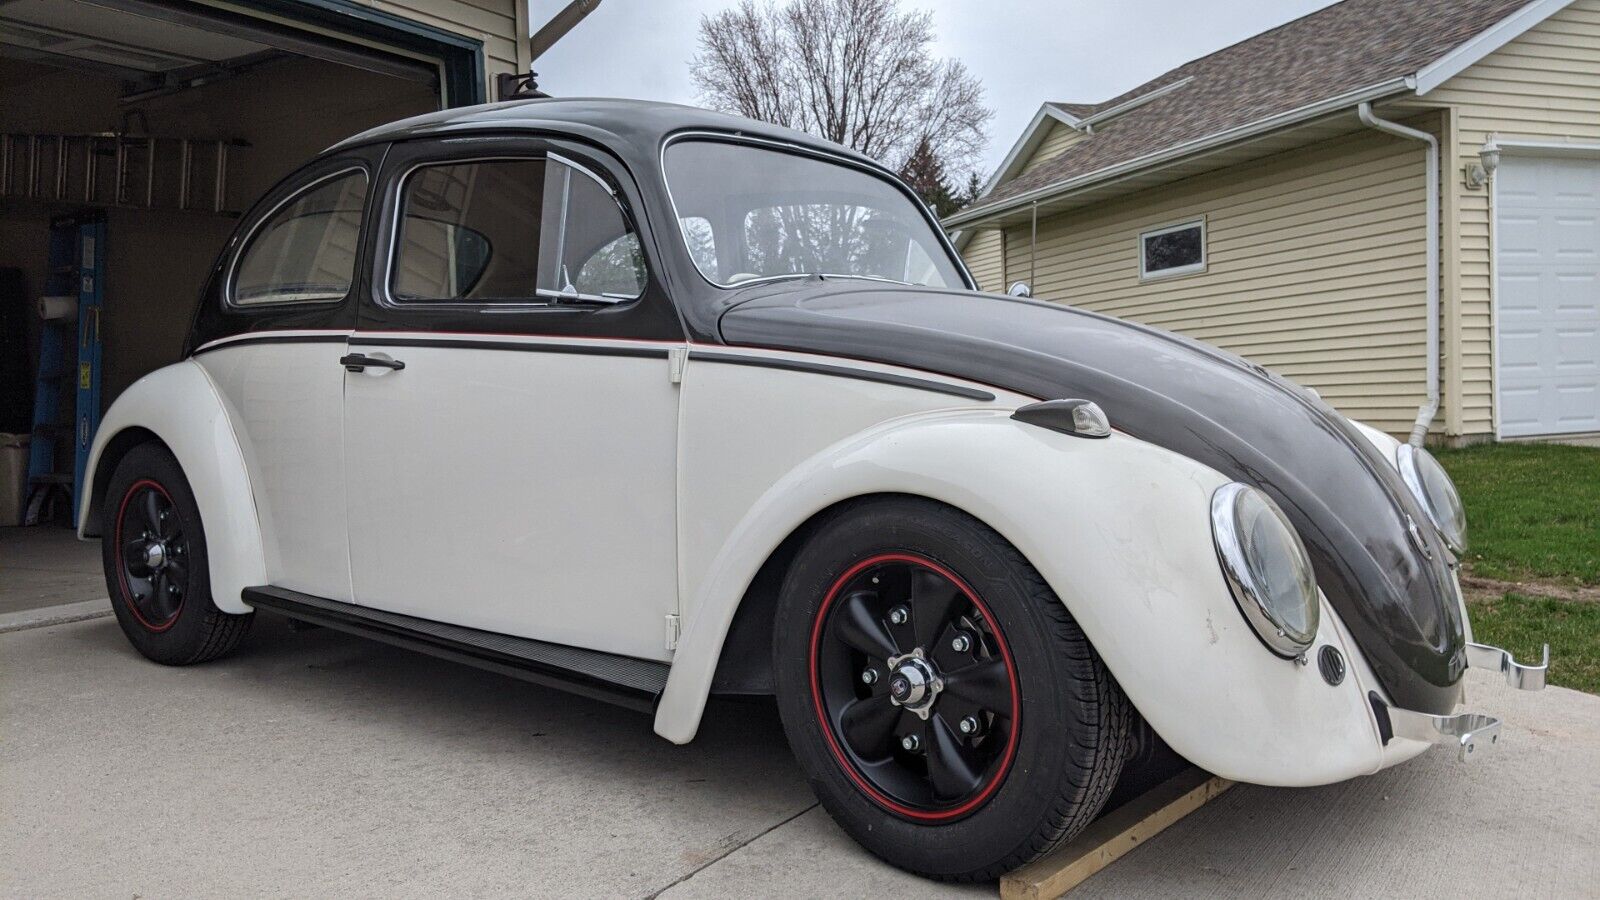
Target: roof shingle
1336 50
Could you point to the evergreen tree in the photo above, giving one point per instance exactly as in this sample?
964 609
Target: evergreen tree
925 173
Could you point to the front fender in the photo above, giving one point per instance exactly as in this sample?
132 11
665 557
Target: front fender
1121 531
181 407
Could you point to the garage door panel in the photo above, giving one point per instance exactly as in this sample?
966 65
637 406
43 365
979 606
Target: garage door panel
1548 296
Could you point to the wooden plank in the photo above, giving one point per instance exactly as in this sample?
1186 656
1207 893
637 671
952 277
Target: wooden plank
1111 836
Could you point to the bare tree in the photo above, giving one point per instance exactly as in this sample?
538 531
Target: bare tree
857 72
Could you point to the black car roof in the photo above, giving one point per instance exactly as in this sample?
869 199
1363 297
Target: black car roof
634 127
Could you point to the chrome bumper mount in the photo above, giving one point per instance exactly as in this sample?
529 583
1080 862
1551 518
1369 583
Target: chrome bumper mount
1520 676
1467 732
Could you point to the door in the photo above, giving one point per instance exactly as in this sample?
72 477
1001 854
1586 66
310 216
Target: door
1548 295
518 474
270 334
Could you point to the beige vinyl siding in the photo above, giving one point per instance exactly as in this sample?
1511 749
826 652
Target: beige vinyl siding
1315 268
495 22
1543 86
1057 139
984 258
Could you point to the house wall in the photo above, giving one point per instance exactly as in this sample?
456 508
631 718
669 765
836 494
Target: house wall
1316 267
1542 86
1057 139
985 259
498 23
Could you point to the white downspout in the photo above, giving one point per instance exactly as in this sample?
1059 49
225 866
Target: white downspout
1430 408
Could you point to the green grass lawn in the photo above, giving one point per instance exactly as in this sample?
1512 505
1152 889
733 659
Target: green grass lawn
1533 513
1533 510
1523 624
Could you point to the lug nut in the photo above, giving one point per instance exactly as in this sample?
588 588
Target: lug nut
869 676
910 742
968 725
961 643
899 615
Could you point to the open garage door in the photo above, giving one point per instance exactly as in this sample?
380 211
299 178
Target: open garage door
132 135
1548 295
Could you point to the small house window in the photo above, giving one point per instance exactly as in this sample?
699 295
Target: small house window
1173 250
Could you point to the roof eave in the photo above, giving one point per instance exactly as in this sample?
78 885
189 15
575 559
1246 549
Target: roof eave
965 219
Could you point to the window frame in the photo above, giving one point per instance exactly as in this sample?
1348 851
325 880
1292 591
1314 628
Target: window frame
1194 268
229 294
385 292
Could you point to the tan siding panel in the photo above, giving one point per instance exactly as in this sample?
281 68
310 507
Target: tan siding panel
1057 139
1543 86
984 258
1314 268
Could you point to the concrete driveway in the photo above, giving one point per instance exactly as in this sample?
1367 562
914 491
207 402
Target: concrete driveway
317 764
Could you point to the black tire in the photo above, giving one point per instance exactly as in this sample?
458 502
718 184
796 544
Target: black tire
165 607
1073 725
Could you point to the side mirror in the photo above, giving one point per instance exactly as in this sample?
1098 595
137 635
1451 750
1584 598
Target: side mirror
1020 289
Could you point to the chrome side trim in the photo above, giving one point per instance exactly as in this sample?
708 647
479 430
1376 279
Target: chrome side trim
1520 676
1466 731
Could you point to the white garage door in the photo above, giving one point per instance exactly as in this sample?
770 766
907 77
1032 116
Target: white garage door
1548 302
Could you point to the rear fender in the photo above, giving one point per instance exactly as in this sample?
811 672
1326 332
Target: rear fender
1120 529
180 406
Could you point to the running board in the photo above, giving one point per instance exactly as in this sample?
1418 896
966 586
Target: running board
623 680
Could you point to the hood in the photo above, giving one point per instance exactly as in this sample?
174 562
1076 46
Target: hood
1345 499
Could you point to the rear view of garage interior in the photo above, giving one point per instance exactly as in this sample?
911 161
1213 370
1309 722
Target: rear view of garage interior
134 134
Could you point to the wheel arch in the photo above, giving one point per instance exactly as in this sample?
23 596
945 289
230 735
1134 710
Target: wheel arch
178 407
744 663
116 447
1121 531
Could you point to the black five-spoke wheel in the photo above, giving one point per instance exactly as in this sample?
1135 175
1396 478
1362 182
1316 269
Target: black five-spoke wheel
154 574
915 687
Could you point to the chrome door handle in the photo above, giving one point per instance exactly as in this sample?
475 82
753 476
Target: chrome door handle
358 362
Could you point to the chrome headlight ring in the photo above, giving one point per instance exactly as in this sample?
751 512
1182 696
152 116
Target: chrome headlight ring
1431 485
1267 568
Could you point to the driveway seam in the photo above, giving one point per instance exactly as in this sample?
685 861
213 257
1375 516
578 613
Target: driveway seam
729 851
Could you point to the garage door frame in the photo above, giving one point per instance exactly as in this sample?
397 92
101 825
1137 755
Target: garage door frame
351 25
1516 150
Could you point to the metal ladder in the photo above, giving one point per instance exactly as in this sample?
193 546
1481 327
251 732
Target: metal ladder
118 169
66 406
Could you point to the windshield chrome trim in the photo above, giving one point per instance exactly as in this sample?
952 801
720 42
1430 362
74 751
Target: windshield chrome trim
873 169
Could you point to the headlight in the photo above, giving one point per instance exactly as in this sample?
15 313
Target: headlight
1267 568
1433 488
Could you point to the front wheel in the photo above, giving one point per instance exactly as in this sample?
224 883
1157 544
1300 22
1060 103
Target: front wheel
944 705
154 551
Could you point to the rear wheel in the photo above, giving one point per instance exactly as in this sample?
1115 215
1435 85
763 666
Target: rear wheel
946 708
154 550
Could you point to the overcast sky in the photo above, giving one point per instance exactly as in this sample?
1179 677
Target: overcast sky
1025 51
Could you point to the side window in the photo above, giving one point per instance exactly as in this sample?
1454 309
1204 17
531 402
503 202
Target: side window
588 248
305 251
512 231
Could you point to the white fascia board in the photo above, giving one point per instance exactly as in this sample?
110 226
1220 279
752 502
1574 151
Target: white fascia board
1021 152
1031 137
966 219
1486 42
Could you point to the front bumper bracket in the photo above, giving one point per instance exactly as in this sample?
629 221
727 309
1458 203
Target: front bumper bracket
1468 732
1465 731
1522 677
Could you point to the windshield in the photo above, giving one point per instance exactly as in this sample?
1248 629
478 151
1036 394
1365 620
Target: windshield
749 212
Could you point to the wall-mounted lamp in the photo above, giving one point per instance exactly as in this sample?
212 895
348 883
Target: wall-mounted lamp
1477 174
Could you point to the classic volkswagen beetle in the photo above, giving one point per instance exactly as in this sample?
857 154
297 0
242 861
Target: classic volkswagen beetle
653 403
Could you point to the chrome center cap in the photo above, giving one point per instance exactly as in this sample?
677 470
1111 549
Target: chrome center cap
915 683
155 554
